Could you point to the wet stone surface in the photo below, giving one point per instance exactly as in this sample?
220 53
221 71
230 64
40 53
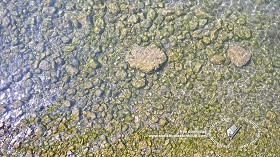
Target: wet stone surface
239 56
146 59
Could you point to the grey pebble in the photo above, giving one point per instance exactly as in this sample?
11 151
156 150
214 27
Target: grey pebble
6 21
71 70
44 65
40 47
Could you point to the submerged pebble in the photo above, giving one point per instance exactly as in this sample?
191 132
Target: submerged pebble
146 59
238 55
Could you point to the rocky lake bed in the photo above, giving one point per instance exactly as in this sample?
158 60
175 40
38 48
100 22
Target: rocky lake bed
101 78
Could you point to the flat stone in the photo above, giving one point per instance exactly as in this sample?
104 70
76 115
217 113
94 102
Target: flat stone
65 40
6 21
87 85
154 119
138 82
38 131
40 47
162 122
113 9
238 55
44 65
71 70
59 61
270 115
75 113
146 59
218 59
66 103
197 155
99 92
242 32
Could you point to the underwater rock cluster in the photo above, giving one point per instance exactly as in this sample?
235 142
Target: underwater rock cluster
69 86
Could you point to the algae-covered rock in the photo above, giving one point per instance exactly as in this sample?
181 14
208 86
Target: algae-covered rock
270 115
201 14
139 83
114 9
145 59
70 69
242 32
218 59
238 55
193 24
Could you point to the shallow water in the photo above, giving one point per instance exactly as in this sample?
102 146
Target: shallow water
67 90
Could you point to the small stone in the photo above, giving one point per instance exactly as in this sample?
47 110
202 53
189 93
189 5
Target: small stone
71 70
103 138
242 32
200 45
138 82
49 11
202 22
92 64
162 122
66 79
197 67
4 84
114 9
125 128
90 115
66 103
133 19
193 25
65 40
152 14
75 113
69 48
37 71
59 61
121 145
143 145
44 65
197 155
71 148
40 47
206 40
87 85
72 91
85 21
238 55
146 59
154 119
99 92
218 59
201 14
6 21
270 115
38 131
